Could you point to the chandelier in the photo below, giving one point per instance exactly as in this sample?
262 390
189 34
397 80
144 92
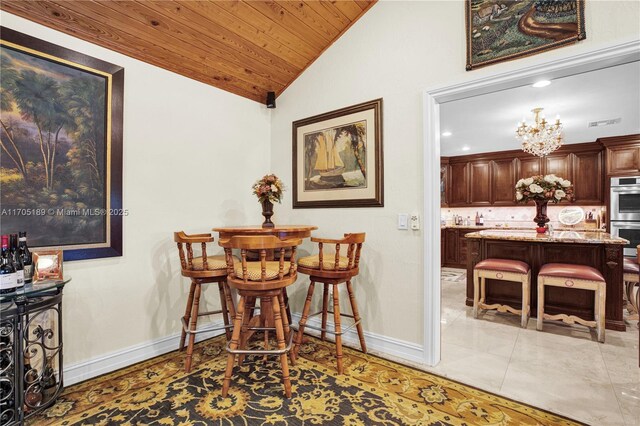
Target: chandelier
540 138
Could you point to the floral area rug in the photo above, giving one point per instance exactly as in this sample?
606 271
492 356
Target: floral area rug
373 391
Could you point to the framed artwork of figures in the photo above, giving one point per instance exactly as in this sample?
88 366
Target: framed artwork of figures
499 31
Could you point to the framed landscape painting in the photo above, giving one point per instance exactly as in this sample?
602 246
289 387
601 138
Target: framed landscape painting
60 147
503 30
337 158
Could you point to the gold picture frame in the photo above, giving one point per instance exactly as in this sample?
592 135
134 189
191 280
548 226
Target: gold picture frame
498 32
338 158
82 212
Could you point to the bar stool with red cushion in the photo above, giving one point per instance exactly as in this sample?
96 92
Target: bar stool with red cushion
573 276
504 270
201 269
332 269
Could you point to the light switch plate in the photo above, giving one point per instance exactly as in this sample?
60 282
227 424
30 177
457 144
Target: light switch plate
403 221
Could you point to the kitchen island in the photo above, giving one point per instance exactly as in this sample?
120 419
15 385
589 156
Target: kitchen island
596 249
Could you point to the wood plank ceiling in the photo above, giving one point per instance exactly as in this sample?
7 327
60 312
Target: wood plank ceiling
245 47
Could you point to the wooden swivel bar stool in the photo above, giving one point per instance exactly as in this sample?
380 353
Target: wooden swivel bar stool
201 270
332 269
505 270
573 276
264 280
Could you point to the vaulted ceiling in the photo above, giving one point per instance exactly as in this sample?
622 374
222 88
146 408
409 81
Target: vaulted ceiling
245 47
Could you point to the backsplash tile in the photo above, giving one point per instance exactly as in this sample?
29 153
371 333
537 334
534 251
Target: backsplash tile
521 216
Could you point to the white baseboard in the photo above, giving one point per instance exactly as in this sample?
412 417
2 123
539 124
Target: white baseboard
107 363
376 342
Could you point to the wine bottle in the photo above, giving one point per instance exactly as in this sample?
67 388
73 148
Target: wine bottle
50 385
7 396
7 409
477 219
6 355
25 255
8 276
15 258
481 220
33 391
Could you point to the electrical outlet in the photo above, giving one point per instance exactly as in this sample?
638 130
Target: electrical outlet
415 222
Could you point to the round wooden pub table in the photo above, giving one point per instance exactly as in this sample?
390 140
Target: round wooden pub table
281 231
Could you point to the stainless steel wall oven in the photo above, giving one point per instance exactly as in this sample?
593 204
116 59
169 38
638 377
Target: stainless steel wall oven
624 211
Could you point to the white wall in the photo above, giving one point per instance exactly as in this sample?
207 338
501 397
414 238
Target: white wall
191 153
396 51
184 145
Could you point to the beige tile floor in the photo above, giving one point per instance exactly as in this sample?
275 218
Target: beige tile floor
562 369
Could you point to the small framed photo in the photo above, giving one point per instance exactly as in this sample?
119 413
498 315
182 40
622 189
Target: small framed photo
47 265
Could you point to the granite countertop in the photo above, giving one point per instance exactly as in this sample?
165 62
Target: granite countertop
468 226
522 228
484 227
589 237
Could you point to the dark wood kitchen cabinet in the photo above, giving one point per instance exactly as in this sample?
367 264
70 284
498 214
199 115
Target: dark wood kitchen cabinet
558 164
444 186
622 155
527 167
503 179
588 177
442 231
449 248
463 246
480 183
459 181
624 160
454 246
489 179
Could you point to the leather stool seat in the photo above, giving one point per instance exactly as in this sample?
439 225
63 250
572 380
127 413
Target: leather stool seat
583 277
630 266
507 270
631 278
503 265
565 270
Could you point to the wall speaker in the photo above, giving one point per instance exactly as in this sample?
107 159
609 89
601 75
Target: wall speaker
271 99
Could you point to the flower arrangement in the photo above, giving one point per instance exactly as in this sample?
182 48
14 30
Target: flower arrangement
269 188
549 187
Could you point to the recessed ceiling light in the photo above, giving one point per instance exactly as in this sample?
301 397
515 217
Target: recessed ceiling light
541 83
446 133
465 148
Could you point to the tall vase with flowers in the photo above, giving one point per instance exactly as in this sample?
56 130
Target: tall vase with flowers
543 190
269 190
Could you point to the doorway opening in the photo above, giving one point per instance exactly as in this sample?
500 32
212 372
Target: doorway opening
476 120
